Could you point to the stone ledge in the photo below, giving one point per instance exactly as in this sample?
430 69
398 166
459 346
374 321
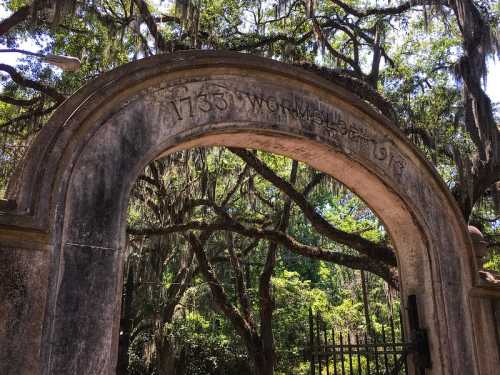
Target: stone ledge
485 290
28 239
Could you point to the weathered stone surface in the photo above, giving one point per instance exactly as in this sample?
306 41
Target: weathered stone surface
76 179
23 291
81 313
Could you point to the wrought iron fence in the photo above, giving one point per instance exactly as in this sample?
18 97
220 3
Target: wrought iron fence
340 353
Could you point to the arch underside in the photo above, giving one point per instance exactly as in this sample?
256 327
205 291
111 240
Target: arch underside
93 155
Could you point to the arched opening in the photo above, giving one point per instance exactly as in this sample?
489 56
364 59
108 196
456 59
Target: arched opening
71 194
265 224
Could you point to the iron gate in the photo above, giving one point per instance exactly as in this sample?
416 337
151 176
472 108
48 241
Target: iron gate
337 353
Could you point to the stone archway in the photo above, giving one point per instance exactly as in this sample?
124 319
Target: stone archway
61 239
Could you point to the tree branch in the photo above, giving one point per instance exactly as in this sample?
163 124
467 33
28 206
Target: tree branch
235 187
319 30
318 177
366 263
25 82
177 288
369 248
268 39
24 52
150 22
389 11
19 102
16 18
265 293
220 297
240 282
27 116
357 85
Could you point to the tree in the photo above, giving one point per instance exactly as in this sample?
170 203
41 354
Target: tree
233 211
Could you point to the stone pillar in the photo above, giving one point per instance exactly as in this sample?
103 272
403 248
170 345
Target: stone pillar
485 307
24 256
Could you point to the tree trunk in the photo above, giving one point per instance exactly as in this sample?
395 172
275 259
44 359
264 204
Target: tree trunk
263 364
171 361
166 354
366 306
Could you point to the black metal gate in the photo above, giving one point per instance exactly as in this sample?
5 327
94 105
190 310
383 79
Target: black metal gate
347 353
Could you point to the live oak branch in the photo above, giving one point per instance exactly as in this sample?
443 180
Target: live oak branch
374 257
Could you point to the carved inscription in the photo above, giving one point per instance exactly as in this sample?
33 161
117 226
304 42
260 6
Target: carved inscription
203 102
333 122
182 103
208 98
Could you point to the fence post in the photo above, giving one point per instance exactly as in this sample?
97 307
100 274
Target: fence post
384 339
358 355
325 343
334 353
342 354
350 348
367 354
311 341
318 342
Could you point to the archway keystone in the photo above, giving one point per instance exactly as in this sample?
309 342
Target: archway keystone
61 242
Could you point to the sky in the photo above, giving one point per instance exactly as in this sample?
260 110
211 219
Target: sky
493 83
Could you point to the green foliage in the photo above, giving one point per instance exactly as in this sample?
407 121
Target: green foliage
493 262
208 346
203 336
